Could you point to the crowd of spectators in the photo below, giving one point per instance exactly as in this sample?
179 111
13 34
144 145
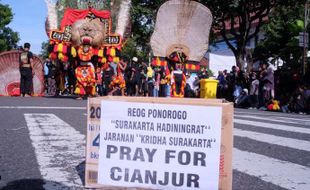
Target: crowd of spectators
262 89
265 90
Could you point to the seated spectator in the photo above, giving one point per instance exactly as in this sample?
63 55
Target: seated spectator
298 102
237 91
242 101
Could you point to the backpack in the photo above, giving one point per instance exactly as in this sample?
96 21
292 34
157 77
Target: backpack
24 58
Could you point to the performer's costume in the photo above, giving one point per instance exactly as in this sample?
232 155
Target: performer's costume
178 82
85 40
86 80
118 85
85 72
180 40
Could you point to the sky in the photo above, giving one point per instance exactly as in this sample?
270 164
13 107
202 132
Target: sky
29 21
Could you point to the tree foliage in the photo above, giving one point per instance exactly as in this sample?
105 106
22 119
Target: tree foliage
281 34
44 49
241 20
143 16
5 15
8 38
129 50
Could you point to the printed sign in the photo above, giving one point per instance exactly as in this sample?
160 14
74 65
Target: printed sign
66 35
113 40
62 35
162 146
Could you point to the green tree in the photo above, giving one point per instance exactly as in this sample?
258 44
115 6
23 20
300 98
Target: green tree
281 34
8 38
129 49
241 20
143 15
44 49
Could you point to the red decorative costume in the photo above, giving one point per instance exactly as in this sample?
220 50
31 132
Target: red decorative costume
86 81
118 85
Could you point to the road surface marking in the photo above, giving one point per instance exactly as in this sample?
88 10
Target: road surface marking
264 118
278 172
59 150
42 107
278 115
272 139
273 126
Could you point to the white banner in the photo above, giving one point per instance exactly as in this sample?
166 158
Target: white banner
159 146
220 63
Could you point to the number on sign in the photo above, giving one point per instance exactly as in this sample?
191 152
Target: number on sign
96 141
95 112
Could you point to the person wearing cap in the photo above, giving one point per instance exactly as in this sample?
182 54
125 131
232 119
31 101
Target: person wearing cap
26 70
133 85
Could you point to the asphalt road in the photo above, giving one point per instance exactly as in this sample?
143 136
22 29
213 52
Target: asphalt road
271 150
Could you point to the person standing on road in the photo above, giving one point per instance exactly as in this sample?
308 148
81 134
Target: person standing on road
254 88
26 71
51 80
45 69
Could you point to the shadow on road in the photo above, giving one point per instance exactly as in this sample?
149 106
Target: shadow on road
40 184
34 184
61 97
24 184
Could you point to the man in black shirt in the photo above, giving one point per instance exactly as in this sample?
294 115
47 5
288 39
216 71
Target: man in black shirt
26 71
133 77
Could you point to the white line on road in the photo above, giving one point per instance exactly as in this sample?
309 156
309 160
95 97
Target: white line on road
273 115
269 119
272 139
42 107
258 112
273 126
281 173
292 119
59 150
